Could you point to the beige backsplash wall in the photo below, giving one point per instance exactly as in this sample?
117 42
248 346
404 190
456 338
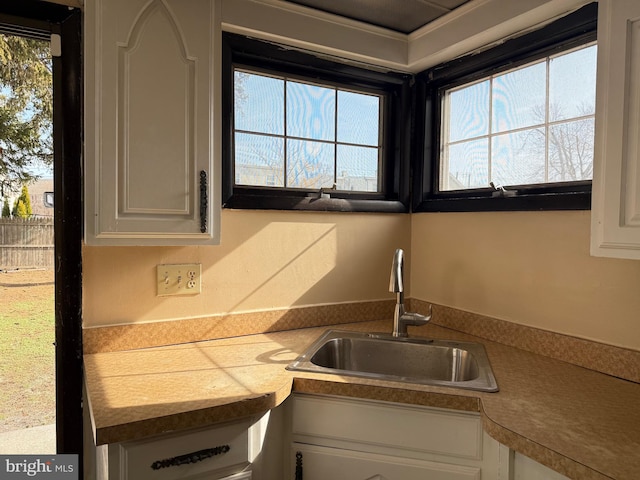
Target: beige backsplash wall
531 268
266 260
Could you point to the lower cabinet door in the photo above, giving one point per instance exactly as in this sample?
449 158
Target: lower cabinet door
322 463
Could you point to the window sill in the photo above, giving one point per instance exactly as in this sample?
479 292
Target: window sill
521 202
311 203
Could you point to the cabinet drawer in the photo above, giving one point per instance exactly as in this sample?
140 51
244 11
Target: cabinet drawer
138 458
322 463
406 427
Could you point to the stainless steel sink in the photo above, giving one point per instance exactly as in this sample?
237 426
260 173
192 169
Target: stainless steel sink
413 360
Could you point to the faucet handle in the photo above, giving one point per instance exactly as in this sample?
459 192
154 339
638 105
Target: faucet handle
416 319
405 319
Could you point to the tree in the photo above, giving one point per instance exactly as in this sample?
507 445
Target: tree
26 106
568 143
6 211
22 207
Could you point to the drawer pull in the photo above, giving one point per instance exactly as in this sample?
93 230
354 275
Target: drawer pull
193 457
203 201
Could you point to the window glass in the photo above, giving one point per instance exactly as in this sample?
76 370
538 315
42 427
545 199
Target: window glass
259 160
259 102
357 168
530 125
468 111
300 135
311 111
518 98
358 118
309 164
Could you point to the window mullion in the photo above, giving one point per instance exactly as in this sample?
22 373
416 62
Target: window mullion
490 133
285 138
546 123
335 138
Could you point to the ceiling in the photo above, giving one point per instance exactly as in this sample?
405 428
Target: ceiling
403 16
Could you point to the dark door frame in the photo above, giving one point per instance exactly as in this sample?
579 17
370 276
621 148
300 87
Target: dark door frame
40 19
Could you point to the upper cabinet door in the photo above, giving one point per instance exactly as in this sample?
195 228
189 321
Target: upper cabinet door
615 224
152 112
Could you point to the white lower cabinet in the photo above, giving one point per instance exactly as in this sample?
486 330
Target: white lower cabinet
224 452
347 439
317 437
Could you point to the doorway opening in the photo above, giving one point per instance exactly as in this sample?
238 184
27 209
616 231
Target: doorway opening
63 24
27 281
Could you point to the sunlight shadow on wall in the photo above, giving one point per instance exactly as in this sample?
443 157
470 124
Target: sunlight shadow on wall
275 267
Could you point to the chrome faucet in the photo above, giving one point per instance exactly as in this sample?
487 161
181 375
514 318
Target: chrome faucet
402 319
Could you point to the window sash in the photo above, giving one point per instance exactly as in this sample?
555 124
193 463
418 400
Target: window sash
494 134
290 139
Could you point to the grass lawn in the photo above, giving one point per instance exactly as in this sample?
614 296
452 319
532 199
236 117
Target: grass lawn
27 369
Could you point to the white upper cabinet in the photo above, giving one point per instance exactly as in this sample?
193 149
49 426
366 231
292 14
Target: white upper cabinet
152 122
615 224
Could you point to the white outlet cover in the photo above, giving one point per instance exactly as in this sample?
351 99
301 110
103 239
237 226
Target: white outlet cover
178 279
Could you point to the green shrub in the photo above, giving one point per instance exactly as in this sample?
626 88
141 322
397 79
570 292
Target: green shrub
22 207
6 211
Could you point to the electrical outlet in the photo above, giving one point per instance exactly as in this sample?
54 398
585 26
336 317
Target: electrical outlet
179 279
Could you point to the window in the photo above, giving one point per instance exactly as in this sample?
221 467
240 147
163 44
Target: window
512 128
308 133
294 134
530 125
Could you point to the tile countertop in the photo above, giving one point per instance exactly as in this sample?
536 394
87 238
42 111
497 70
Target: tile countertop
581 423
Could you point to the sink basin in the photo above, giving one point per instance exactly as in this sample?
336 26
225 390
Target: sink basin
413 360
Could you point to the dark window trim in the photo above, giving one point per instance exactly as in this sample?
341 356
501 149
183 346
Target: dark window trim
568 32
238 50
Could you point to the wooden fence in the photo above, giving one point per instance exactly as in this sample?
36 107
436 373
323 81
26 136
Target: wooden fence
26 243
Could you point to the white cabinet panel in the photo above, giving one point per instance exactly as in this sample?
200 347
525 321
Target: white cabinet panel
615 225
456 434
152 102
526 469
245 449
339 438
222 449
321 463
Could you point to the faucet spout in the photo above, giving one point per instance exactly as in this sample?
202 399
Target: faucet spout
397 272
402 319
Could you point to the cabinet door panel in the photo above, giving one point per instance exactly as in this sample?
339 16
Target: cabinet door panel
152 98
615 225
155 110
321 463
458 434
